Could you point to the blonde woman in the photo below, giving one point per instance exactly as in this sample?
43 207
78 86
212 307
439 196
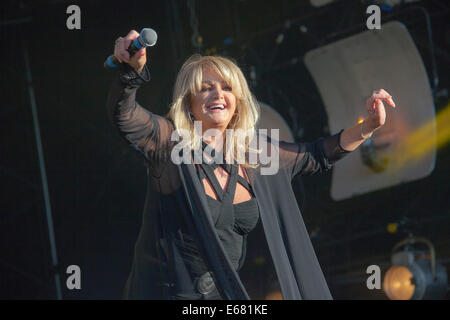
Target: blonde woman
197 216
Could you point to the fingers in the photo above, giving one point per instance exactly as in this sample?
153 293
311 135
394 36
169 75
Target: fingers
141 52
382 94
122 44
375 104
391 102
116 50
133 34
119 50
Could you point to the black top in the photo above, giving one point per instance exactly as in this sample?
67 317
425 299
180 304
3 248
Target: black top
232 221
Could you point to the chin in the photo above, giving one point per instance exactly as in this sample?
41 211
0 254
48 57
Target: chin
218 120
211 123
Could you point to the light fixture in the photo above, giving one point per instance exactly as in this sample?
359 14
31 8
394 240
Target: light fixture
346 72
271 119
274 295
274 291
414 274
376 161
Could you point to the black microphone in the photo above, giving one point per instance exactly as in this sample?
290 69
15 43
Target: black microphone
147 38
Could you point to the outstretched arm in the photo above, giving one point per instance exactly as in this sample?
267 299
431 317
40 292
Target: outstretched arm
308 158
314 157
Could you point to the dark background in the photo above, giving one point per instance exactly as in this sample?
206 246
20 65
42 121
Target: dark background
97 183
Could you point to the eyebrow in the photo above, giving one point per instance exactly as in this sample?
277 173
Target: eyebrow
211 82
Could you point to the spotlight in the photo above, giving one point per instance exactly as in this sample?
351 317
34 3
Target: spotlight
404 149
271 119
274 295
274 291
414 274
371 158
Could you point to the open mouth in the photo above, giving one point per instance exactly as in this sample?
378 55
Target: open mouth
216 107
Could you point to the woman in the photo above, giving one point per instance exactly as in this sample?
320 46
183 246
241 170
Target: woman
197 216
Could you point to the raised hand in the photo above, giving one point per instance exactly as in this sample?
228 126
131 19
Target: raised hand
138 60
375 108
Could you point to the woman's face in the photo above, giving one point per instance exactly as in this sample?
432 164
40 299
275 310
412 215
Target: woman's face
206 105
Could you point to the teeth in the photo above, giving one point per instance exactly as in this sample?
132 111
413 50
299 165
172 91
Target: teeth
220 106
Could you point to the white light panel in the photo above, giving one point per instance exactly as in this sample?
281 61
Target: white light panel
346 72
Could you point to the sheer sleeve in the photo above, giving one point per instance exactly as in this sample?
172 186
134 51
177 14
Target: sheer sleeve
308 158
143 130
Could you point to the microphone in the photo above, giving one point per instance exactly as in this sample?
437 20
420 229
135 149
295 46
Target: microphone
147 38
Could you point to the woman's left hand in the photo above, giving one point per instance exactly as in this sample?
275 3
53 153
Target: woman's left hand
375 108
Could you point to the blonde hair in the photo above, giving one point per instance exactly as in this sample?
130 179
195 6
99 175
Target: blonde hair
189 82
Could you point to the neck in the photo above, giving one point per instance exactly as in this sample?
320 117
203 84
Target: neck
215 143
213 140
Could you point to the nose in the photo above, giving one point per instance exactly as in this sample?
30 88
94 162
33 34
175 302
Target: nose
218 92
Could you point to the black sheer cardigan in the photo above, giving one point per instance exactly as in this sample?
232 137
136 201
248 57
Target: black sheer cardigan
157 267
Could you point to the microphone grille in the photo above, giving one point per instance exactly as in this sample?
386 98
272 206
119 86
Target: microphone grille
148 37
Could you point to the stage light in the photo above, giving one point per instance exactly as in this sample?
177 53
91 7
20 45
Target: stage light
414 274
271 119
346 72
273 291
417 145
397 283
274 295
372 158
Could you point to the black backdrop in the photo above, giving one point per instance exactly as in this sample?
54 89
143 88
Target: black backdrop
97 184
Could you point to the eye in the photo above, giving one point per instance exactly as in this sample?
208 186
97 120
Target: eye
204 89
227 88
